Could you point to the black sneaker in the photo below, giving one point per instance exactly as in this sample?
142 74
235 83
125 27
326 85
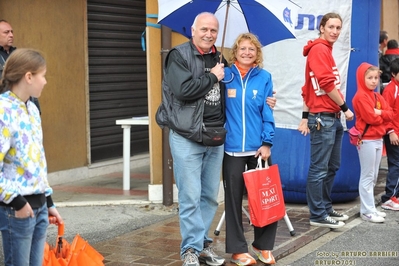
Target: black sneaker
190 258
328 222
338 216
209 257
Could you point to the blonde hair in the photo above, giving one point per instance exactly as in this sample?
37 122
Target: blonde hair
20 62
372 68
254 40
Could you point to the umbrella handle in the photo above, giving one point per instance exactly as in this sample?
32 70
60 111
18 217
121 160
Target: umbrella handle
53 220
61 228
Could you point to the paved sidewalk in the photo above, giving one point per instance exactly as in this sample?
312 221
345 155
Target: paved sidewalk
158 244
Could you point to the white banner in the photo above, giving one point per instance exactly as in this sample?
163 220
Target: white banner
284 59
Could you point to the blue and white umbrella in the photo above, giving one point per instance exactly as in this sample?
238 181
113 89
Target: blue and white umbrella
270 20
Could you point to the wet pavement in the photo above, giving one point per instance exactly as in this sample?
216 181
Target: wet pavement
158 243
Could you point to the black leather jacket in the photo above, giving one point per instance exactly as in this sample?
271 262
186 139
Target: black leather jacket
385 62
184 87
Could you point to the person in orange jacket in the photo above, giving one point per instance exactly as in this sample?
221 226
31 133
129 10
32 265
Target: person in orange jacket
370 109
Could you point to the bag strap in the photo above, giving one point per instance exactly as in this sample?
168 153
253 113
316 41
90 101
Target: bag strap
2 59
367 125
365 129
259 166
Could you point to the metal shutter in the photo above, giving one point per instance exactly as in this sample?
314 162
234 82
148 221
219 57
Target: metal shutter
117 75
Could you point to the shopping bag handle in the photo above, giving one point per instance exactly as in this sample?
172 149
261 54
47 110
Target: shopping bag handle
259 166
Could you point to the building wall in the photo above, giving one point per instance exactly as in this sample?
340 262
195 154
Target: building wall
390 18
58 29
154 70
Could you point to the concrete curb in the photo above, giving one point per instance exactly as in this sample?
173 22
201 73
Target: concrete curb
102 203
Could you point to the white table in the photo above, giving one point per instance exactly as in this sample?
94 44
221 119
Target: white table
126 124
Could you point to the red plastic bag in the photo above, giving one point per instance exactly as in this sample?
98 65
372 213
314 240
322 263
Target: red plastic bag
265 195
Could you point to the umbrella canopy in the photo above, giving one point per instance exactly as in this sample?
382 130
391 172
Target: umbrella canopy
270 20
64 254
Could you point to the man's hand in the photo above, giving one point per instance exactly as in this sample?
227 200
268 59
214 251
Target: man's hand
303 127
393 138
349 115
218 71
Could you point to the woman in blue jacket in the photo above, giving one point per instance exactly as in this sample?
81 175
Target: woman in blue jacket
250 131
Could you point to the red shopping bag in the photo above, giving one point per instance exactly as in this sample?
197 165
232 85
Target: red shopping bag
265 195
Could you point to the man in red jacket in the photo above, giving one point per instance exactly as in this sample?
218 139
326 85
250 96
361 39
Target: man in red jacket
323 102
391 95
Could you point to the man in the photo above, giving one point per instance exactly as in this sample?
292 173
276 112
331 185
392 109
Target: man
322 106
6 48
391 53
193 98
6 41
383 43
389 200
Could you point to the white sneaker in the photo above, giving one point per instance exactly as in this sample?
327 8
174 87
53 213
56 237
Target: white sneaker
372 217
209 257
390 205
381 214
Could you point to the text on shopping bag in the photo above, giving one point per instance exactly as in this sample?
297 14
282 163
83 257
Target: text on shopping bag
269 197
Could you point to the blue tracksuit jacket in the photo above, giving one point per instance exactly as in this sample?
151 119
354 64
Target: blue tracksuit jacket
249 120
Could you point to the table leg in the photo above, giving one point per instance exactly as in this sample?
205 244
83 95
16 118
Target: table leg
126 157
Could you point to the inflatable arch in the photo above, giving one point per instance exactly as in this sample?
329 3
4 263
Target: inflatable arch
358 43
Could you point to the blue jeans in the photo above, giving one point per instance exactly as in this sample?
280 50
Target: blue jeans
23 238
197 172
325 160
392 182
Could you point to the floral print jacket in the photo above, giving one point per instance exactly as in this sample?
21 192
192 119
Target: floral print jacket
22 159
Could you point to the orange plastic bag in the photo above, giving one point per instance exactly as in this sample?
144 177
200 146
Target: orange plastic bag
79 253
265 195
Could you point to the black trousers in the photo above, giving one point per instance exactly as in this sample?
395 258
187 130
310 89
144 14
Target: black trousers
234 187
